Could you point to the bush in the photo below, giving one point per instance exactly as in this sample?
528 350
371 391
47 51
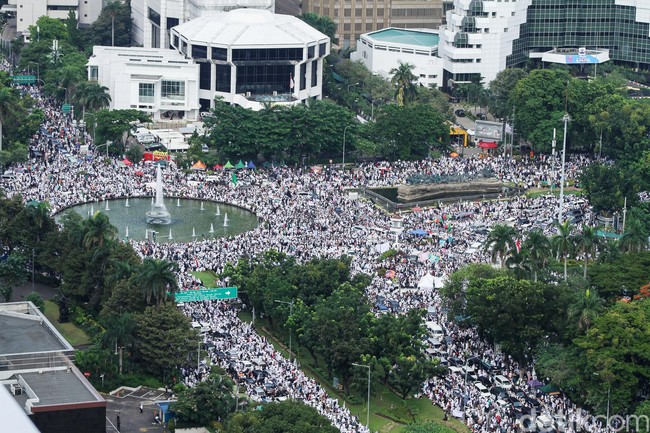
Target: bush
79 317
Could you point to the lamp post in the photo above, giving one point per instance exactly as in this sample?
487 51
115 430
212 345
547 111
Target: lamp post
368 413
566 118
354 84
553 143
82 126
344 131
290 304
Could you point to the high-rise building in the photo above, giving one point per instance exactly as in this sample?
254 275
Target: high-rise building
356 17
482 37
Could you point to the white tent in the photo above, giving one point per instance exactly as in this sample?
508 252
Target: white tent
382 248
426 282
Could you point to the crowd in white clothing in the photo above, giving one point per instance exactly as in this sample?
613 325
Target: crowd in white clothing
310 214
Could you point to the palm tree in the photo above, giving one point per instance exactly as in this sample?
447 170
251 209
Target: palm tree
112 9
98 231
69 78
520 264
610 252
121 270
119 331
635 237
562 242
539 249
92 96
585 310
404 82
587 243
157 278
9 106
500 241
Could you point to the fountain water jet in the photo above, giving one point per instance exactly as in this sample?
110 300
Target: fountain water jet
211 228
127 203
225 220
218 211
178 202
158 213
106 208
170 234
202 206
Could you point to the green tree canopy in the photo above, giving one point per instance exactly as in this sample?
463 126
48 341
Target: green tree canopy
284 417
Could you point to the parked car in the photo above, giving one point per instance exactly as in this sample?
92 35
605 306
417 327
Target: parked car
460 112
502 382
482 389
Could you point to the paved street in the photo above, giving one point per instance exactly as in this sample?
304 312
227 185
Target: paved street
127 405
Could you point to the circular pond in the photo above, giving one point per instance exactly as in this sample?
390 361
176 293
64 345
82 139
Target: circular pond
190 219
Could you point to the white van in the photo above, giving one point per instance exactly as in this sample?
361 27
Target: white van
502 382
435 329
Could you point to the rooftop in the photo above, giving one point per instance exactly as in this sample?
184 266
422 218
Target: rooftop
252 27
58 387
26 330
423 38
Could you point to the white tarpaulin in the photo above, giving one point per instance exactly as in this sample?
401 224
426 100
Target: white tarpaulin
382 248
426 282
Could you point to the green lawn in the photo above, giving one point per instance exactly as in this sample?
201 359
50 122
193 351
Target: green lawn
207 278
534 192
75 336
388 412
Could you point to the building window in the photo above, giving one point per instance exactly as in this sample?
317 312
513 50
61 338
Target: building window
314 73
311 52
145 93
154 16
199 52
322 49
219 54
205 69
223 78
172 90
303 76
94 73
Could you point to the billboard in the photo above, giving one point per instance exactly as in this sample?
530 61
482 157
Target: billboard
492 131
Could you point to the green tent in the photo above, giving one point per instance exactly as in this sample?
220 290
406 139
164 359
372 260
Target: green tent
228 165
549 389
240 165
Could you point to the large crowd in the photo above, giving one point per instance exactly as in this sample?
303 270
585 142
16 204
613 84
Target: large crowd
311 214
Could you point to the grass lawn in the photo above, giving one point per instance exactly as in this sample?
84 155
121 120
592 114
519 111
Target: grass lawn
207 278
534 192
75 336
388 412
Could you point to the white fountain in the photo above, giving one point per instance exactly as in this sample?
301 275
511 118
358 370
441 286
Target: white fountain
193 232
218 211
202 206
127 231
170 234
92 209
211 228
178 202
225 220
106 208
127 203
158 213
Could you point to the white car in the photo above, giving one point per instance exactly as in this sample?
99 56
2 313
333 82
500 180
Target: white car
502 382
482 389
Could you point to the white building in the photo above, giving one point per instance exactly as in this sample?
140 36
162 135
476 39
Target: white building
250 57
383 50
159 82
478 37
152 19
27 12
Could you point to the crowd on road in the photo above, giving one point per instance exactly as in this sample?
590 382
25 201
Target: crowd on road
311 214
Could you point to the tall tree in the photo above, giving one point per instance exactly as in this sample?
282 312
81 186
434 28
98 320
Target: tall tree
563 243
538 247
92 96
98 231
404 82
635 237
502 88
500 242
9 106
156 278
585 309
210 400
587 242
120 331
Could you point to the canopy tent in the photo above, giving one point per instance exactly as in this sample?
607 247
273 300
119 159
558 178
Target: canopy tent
438 282
418 232
217 167
139 173
198 166
426 282
534 383
549 389
125 161
487 144
228 165
251 165
240 165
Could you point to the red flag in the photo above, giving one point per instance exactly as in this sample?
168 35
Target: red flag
518 245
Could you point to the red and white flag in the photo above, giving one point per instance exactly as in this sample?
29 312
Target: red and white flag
291 83
518 245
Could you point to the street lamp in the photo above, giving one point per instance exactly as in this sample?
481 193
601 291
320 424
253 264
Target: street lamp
368 414
553 143
290 304
344 130
354 84
82 126
566 118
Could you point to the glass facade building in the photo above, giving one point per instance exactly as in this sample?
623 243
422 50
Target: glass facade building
606 24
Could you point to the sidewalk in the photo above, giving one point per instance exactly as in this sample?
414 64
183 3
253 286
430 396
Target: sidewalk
127 405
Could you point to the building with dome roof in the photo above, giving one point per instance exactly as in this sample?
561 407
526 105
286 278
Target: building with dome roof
250 57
